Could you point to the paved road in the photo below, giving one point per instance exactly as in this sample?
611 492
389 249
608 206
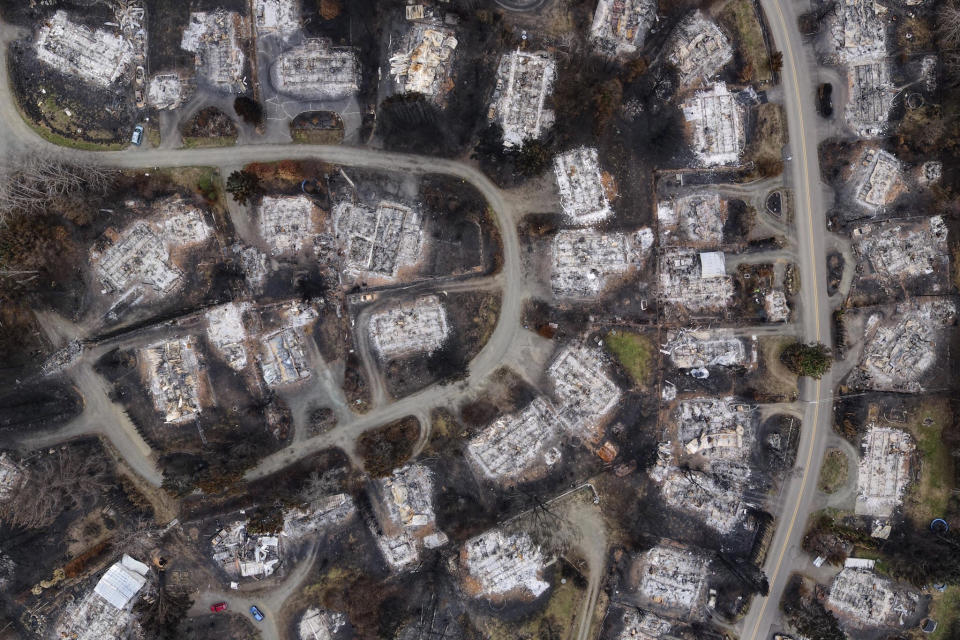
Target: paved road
803 173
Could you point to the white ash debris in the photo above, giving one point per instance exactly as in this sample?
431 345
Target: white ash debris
899 250
407 497
99 57
584 393
775 306
286 222
214 39
859 30
884 471
226 333
585 262
405 328
515 442
172 375
698 49
524 83
138 258
694 220
699 493
620 27
673 580
690 349
899 352
282 357
928 72
581 183
11 476
378 242
316 70
684 284
715 120
281 17
91 617
880 179
867 599
165 91
931 172
329 511
183 223
320 625
242 554
644 627
400 550
253 263
423 58
718 428
502 564
871 97
297 313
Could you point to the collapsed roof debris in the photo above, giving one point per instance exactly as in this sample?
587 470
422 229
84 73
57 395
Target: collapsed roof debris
698 49
315 70
775 306
245 555
422 60
326 512
582 186
105 613
931 172
165 91
282 357
620 27
871 97
685 284
585 262
584 392
643 627
97 56
513 443
524 82
718 428
502 564
226 333
419 326
172 374
214 38
694 220
716 126
183 223
286 222
720 505
867 599
404 509
884 471
672 579
899 352
378 242
253 263
689 349
277 16
138 258
879 179
901 250
860 30
320 625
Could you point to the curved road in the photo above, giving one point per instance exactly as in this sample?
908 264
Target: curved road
817 395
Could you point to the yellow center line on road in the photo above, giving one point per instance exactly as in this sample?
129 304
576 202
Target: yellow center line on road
816 306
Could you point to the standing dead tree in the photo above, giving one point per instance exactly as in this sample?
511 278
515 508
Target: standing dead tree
51 484
28 184
948 25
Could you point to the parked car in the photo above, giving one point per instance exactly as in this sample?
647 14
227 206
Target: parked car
256 613
218 607
137 136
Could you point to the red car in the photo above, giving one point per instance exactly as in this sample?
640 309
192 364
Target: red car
217 608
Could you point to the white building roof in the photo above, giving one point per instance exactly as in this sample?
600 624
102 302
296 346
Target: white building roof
712 264
122 581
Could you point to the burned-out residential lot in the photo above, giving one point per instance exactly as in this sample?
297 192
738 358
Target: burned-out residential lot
505 346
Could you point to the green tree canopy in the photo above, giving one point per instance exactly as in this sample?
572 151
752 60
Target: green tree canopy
807 359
